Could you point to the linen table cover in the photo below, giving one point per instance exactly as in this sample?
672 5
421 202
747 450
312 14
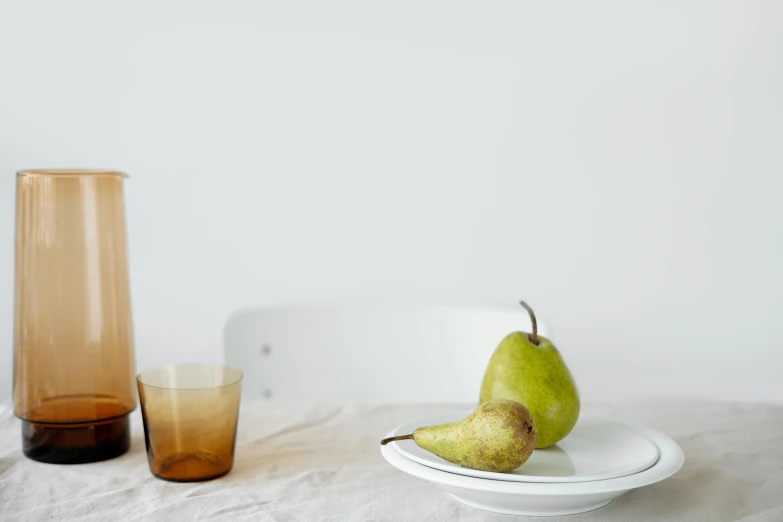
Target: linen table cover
311 462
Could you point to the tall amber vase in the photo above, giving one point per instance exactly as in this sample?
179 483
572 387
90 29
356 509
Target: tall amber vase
73 337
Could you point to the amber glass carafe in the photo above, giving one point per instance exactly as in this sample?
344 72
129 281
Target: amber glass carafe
73 338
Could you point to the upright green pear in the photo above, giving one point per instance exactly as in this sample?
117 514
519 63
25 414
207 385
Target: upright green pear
527 368
498 436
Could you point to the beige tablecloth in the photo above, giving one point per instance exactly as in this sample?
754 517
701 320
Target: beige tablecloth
322 462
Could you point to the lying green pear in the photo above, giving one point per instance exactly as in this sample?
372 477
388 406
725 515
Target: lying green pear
498 436
527 368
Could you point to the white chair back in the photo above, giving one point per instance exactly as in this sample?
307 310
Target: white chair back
367 353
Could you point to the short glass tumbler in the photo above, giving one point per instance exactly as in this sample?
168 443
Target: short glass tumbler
190 417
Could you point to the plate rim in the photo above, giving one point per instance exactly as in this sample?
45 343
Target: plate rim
670 460
531 479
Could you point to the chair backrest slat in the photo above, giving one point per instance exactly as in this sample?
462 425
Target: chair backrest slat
367 353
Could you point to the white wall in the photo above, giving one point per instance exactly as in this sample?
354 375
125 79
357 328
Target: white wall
617 164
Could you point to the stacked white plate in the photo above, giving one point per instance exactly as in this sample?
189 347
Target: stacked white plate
597 462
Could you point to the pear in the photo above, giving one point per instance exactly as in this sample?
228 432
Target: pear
527 368
498 436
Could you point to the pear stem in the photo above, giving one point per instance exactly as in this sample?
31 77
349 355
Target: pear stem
534 336
392 439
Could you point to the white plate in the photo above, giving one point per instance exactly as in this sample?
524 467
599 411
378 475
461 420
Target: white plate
543 499
596 449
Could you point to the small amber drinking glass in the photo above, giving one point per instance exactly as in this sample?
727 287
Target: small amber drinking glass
190 417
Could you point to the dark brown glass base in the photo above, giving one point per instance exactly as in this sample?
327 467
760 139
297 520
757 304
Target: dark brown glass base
76 443
199 479
191 467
